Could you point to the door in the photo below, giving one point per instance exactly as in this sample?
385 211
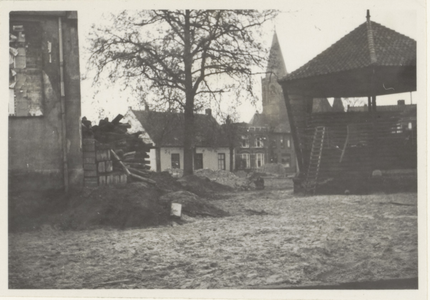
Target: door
198 161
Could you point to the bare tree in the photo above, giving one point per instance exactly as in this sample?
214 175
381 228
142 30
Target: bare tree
353 102
176 55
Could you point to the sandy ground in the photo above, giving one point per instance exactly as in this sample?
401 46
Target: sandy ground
272 237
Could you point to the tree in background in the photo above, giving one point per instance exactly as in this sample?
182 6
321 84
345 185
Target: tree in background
231 131
353 102
184 58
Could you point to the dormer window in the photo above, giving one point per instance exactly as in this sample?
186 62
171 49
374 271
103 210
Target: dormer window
244 141
259 142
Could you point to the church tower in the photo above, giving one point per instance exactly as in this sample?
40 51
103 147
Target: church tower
273 100
268 135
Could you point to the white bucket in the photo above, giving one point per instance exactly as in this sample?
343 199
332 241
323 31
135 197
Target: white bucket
176 210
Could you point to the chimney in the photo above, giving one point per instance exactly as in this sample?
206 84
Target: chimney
146 107
400 102
208 111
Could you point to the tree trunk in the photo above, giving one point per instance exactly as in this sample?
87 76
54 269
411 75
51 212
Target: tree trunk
158 159
189 100
231 159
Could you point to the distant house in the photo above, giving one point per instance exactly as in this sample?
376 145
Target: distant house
252 149
44 101
407 115
165 130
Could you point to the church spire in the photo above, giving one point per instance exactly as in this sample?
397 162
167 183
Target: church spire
276 62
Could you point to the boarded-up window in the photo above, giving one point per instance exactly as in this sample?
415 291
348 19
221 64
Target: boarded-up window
25 69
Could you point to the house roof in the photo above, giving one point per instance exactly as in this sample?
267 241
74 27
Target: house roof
345 68
259 120
411 108
353 51
166 129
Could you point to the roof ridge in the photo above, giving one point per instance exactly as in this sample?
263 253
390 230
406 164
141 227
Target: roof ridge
388 28
370 40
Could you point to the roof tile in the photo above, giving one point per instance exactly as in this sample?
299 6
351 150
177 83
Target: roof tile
352 52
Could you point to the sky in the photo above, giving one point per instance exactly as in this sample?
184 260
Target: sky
304 29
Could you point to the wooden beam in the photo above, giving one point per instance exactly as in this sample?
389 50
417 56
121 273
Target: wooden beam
293 127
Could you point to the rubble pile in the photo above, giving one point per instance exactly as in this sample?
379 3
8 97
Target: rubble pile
113 135
203 186
226 178
112 155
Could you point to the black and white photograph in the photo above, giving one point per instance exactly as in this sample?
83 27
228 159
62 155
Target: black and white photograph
196 150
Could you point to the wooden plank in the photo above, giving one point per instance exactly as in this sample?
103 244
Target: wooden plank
109 166
91 182
123 179
143 178
102 155
90 173
120 162
101 167
102 180
109 179
90 167
143 173
89 160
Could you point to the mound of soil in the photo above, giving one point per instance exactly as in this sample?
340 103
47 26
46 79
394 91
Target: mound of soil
192 205
27 210
226 178
203 186
134 205
131 205
165 181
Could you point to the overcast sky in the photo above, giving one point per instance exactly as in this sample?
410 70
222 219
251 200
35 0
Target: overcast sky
304 29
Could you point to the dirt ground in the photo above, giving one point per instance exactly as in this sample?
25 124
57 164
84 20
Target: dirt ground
270 237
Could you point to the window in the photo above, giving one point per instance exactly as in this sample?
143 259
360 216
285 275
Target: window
286 160
259 159
246 164
175 161
221 161
259 142
244 142
282 142
397 129
288 142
